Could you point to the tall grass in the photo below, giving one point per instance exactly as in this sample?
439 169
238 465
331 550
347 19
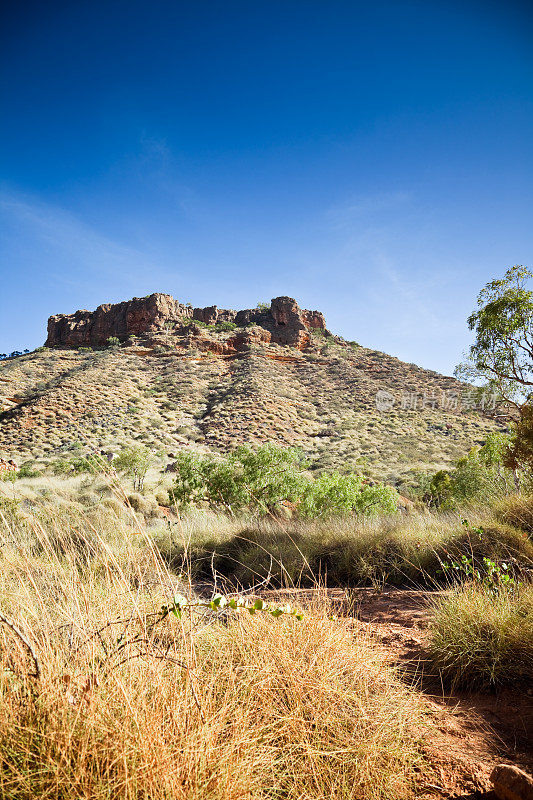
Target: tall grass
480 639
343 551
131 706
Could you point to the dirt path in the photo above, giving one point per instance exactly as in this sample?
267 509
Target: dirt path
475 730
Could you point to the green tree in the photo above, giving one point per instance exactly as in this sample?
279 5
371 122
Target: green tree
333 494
247 479
135 462
262 479
502 354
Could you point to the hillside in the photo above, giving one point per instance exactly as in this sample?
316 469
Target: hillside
175 377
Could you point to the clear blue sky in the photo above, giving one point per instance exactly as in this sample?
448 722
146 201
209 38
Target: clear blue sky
372 159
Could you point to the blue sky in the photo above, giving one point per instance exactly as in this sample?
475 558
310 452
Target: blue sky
373 160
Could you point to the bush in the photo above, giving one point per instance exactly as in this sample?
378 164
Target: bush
28 471
77 466
332 494
479 638
252 479
113 341
224 325
262 480
135 462
481 475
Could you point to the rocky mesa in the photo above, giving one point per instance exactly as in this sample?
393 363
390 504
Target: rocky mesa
283 322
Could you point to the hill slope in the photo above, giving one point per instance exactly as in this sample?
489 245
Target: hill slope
181 382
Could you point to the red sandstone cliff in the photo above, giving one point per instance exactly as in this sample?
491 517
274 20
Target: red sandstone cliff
284 323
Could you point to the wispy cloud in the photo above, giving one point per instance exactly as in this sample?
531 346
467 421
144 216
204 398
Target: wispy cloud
59 234
365 208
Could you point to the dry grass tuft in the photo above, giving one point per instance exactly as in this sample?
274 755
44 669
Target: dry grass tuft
129 706
481 639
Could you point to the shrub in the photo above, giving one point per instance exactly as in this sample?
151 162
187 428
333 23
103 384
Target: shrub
479 638
113 341
255 479
481 475
225 325
263 479
135 462
77 466
28 471
332 494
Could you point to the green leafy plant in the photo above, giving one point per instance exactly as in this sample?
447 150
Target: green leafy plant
218 602
486 573
135 462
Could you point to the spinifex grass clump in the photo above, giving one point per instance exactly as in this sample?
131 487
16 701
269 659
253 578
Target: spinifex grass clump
132 702
481 637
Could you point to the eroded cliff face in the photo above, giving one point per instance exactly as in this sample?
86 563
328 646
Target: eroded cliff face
284 323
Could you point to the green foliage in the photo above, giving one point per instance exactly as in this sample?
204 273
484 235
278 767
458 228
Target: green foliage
502 354
482 474
77 466
519 454
246 479
261 480
9 477
332 494
263 307
492 575
224 325
219 602
28 471
112 342
135 462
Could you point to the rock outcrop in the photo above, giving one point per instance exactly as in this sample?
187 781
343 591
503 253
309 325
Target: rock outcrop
283 323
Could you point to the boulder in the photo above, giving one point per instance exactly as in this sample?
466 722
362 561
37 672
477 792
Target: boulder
511 783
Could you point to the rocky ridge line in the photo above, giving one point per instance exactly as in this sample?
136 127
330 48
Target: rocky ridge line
284 323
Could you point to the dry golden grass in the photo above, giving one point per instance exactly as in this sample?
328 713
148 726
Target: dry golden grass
131 706
481 638
343 551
